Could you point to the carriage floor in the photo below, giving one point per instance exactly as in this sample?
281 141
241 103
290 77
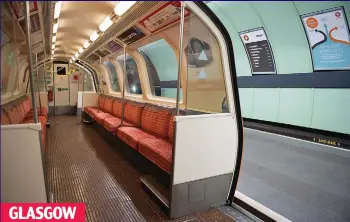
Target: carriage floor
83 167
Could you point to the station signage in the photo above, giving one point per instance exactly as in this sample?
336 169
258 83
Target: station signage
113 46
328 35
167 14
259 51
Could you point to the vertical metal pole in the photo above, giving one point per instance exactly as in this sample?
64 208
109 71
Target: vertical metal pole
182 22
14 34
99 88
68 77
29 44
45 73
37 80
54 88
124 83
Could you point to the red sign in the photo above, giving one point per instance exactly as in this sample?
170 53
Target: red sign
76 77
167 14
42 212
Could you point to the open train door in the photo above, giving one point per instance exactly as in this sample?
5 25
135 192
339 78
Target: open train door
208 140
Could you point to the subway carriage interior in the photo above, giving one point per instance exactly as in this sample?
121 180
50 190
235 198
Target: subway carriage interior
142 109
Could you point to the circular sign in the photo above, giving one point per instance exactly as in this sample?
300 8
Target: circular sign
312 22
246 37
337 14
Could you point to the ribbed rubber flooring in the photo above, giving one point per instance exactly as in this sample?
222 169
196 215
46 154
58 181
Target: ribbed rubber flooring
82 167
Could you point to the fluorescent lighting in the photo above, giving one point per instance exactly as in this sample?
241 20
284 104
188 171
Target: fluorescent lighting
86 44
53 46
81 50
123 6
55 27
94 36
54 39
73 58
76 55
57 9
70 61
105 24
53 51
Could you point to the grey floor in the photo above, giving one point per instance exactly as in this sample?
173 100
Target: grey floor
301 181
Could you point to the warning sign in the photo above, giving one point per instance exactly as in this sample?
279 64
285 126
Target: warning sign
167 14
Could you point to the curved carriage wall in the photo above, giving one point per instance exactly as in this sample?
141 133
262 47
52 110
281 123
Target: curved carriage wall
320 105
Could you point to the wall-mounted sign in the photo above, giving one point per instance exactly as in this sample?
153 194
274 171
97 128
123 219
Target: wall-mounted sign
259 51
98 52
93 57
329 40
131 35
113 46
166 15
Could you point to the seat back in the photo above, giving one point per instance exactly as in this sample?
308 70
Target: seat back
13 113
101 101
133 112
5 120
155 120
108 105
171 128
117 108
26 104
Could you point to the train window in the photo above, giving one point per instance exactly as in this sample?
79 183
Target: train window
112 72
133 83
162 68
205 82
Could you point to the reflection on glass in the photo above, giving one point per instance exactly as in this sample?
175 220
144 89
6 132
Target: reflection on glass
113 76
133 84
162 68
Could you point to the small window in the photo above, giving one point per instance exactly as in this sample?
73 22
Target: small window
133 84
113 76
162 68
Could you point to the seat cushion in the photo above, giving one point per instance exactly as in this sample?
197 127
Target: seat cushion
158 151
132 135
100 117
112 124
155 120
89 109
101 101
26 105
93 112
133 112
14 115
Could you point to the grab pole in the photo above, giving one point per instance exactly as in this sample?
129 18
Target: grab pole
124 82
182 22
29 44
37 80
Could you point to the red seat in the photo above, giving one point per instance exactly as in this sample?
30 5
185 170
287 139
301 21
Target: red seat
158 151
94 112
132 135
112 124
100 117
90 109
41 112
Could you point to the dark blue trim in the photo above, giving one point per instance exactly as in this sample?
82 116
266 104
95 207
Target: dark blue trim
328 79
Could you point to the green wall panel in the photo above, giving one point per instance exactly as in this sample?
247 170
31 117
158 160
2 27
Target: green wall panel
331 110
265 106
246 99
308 7
296 107
241 59
287 37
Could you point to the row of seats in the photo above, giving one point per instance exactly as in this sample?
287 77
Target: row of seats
146 128
19 112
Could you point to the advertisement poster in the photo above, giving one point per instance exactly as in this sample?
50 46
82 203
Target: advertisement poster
113 46
259 51
328 35
168 14
131 35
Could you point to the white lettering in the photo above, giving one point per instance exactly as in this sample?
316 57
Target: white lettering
57 213
30 213
48 215
20 213
39 212
69 212
13 215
